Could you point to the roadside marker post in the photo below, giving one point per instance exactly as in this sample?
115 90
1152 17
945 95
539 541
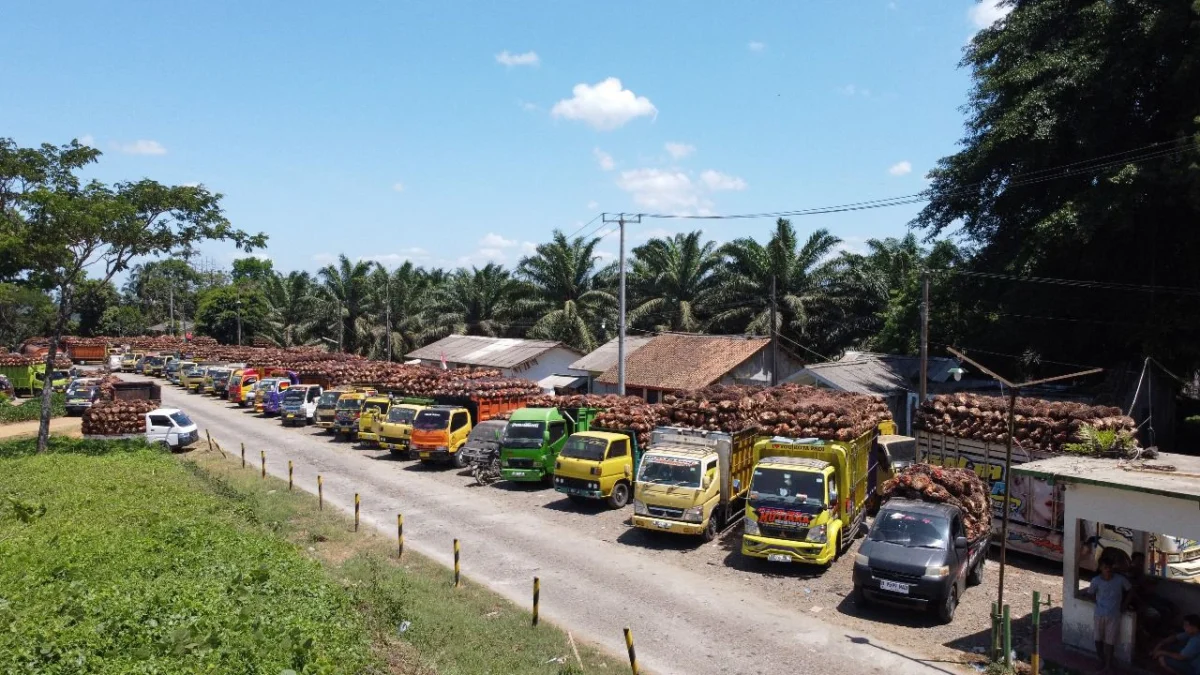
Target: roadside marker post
457 581
320 493
290 475
1036 620
632 654
399 536
1007 638
243 455
537 591
209 437
263 455
356 508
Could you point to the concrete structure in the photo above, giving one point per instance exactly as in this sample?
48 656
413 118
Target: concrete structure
530 359
604 357
1128 496
675 361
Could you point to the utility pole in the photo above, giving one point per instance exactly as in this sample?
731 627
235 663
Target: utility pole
341 329
239 314
621 305
1013 390
774 339
171 304
924 336
387 312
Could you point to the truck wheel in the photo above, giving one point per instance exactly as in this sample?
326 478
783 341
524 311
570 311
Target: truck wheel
945 610
860 598
460 460
620 496
710 530
975 576
837 554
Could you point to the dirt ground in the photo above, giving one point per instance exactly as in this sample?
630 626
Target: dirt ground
59 426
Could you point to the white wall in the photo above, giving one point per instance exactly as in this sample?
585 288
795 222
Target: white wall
556 361
1123 508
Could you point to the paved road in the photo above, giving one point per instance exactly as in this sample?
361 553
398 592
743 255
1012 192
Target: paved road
682 622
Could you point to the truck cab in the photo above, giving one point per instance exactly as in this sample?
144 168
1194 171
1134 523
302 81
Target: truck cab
692 481
59 380
349 409
190 379
81 394
439 432
241 383
268 398
374 410
128 361
917 554
209 385
153 365
221 382
327 407
171 370
534 437
808 497
597 465
395 432
170 427
299 404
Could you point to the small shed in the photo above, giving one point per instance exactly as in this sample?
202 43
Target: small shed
530 359
1128 506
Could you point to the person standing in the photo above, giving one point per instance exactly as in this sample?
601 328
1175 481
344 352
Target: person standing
1108 591
1180 654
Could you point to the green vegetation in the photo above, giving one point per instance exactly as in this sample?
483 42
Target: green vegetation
30 409
122 559
1102 442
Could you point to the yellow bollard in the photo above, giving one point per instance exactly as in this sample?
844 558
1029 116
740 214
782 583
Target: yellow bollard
263 454
632 654
537 591
399 536
356 503
320 493
457 582
243 455
289 475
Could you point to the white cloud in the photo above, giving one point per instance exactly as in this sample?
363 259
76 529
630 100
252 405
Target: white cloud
855 245
398 186
988 12
495 241
756 46
88 140
191 184
593 205
527 106
415 254
715 180
854 90
604 159
900 168
679 150
605 105
141 147
529 58
528 247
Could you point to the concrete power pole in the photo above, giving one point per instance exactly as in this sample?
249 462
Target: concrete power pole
774 339
924 336
387 312
621 302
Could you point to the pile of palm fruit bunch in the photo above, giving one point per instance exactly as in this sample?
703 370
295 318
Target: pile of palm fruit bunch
110 418
958 487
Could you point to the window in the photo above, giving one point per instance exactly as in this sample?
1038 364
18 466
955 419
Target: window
618 448
459 421
653 396
313 394
557 431
159 421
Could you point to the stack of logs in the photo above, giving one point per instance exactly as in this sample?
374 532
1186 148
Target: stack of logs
1039 425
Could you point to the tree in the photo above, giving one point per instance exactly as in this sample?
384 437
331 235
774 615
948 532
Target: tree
253 269
478 301
24 312
1080 162
800 273
292 299
226 311
670 280
347 296
60 228
93 298
162 289
403 296
568 295
122 320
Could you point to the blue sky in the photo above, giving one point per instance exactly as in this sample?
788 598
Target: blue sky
454 133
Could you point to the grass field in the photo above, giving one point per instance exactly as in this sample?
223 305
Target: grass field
117 559
30 409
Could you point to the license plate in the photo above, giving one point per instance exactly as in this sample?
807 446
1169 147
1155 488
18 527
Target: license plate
893 586
518 474
778 557
663 524
290 416
424 455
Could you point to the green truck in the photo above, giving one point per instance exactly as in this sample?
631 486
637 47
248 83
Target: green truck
533 438
27 379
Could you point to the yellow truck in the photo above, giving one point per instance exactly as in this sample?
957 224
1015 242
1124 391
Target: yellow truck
395 431
692 481
809 497
327 407
598 465
349 409
192 378
370 422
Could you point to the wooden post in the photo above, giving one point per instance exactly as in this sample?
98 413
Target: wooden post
209 437
320 493
457 581
537 591
243 455
356 505
399 536
632 654
263 455
290 475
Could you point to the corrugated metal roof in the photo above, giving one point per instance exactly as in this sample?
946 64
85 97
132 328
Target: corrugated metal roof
677 361
861 376
605 356
476 350
551 382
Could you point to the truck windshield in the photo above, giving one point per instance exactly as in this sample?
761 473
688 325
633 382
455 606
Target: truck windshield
329 399
585 447
913 530
401 415
349 403
523 434
235 381
670 471
181 419
788 487
294 396
432 419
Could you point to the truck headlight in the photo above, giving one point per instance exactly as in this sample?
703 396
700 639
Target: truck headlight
639 508
694 514
860 559
751 527
937 572
441 448
816 535
504 462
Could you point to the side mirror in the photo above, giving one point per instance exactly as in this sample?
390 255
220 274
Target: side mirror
961 542
707 481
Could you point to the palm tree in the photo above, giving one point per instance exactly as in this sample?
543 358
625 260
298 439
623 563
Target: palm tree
570 297
291 299
671 279
478 301
347 296
800 273
402 297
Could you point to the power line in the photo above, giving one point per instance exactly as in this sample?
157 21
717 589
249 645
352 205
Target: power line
1074 283
1012 356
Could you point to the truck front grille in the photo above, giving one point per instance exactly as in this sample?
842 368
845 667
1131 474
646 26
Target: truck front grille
575 483
664 512
798 534
520 463
892 575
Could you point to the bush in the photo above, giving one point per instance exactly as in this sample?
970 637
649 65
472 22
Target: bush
32 409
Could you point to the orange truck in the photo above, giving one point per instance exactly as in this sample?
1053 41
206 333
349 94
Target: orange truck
441 430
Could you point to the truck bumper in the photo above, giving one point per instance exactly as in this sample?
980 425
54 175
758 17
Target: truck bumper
665 525
367 437
394 444
922 592
290 418
524 475
427 454
786 550
325 424
579 492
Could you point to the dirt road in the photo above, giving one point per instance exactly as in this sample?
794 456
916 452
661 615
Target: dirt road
59 426
683 621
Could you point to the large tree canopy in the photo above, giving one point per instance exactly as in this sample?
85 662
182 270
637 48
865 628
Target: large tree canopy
1080 162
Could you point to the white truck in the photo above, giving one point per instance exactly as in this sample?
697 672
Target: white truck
168 427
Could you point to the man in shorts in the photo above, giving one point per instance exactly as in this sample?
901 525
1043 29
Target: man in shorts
1108 591
1180 654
